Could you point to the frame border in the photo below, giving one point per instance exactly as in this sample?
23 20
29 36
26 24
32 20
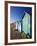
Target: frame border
6 22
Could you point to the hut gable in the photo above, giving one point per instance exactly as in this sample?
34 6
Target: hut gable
26 23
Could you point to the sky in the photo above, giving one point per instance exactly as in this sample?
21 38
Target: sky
16 13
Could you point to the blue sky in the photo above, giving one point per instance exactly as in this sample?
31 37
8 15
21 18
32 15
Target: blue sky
16 13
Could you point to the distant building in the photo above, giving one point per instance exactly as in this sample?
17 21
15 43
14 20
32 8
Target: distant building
13 26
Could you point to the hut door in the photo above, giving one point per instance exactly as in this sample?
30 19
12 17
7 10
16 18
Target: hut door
26 23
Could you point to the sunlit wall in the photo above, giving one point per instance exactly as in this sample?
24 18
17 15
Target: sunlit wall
26 23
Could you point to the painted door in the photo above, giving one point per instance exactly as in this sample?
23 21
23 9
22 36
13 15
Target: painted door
18 26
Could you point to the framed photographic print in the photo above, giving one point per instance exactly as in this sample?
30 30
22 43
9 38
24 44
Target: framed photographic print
20 22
